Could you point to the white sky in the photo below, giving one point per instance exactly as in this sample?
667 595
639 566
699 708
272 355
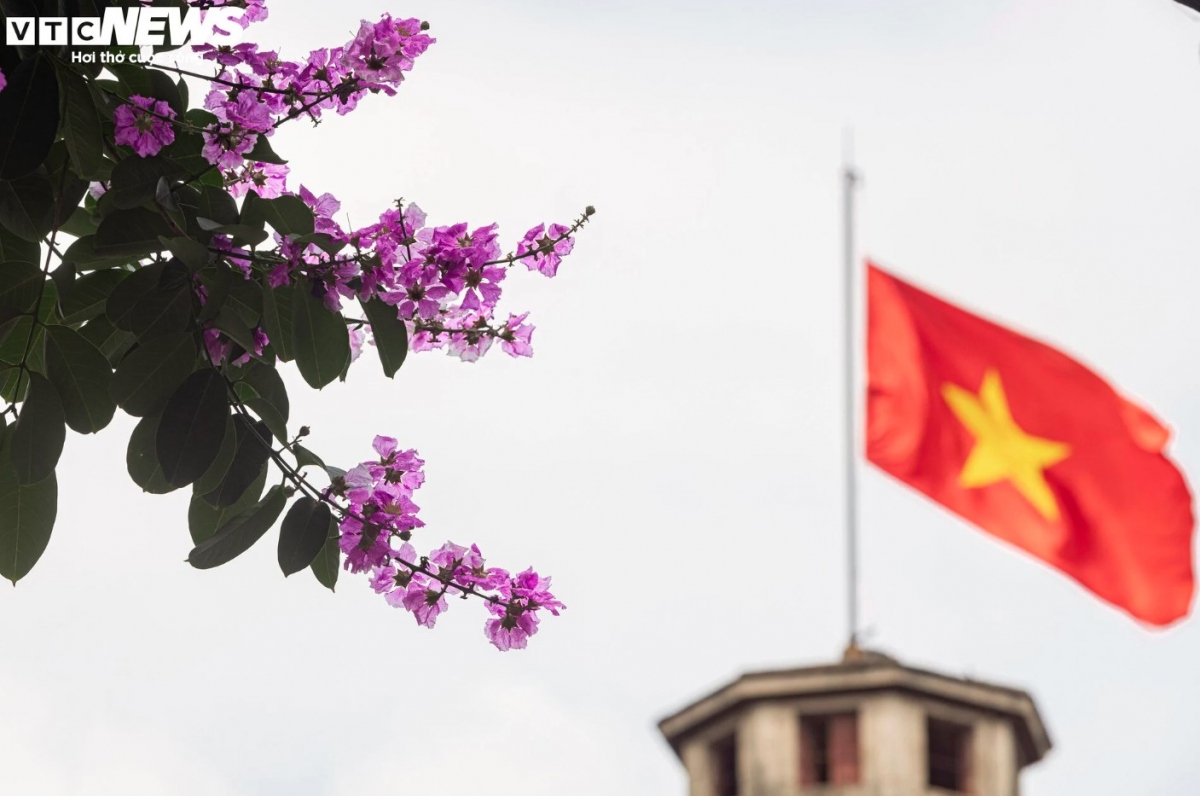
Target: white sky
672 453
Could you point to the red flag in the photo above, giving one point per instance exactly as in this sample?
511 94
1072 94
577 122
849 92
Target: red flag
1030 445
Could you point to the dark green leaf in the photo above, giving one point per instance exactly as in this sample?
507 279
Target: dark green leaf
320 340
28 117
82 377
27 513
80 123
241 533
390 333
124 298
263 391
131 232
89 294
192 427
79 224
193 253
14 339
263 153
112 342
217 281
167 308
277 320
216 471
164 88
149 374
204 519
245 298
134 78
134 179
141 458
39 433
64 280
83 253
322 241
20 285
327 563
217 205
241 234
27 205
287 215
14 249
229 322
303 534
248 460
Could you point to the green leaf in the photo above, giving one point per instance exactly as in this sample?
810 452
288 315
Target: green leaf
80 123
64 281
131 232
229 322
245 298
167 308
27 513
88 297
277 320
205 519
390 333
39 433
164 88
241 234
112 342
216 471
328 562
14 338
287 215
20 285
217 281
124 298
192 427
303 534
263 153
149 374
263 391
79 224
241 533
192 253
248 461
28 117
141 458
217 206
27 205
134 180
83 253
320 340
82 377
14 249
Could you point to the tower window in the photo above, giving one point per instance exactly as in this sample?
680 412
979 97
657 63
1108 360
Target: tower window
948 753
724 755
829 749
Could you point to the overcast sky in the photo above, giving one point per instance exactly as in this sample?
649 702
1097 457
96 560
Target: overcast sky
672 454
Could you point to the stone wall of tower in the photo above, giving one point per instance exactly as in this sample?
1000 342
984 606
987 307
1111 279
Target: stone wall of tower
892 747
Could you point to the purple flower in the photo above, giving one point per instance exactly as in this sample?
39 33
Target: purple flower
265 179
138 125
514 340
3 80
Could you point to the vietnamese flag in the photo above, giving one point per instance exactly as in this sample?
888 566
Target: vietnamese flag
1028 444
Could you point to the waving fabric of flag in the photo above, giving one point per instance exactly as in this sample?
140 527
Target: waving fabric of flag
1029 445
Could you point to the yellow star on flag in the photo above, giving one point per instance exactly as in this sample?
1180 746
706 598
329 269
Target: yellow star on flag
1003 451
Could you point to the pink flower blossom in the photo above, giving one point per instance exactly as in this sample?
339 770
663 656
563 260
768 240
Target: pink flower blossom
139 125
268 180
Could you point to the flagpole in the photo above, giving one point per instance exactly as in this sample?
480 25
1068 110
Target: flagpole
850 274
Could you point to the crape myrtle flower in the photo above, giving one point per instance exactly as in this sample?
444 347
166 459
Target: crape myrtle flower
140 124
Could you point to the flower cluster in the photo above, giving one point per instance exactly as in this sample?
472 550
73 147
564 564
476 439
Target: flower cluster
445 282
254 91
377 524
144 124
